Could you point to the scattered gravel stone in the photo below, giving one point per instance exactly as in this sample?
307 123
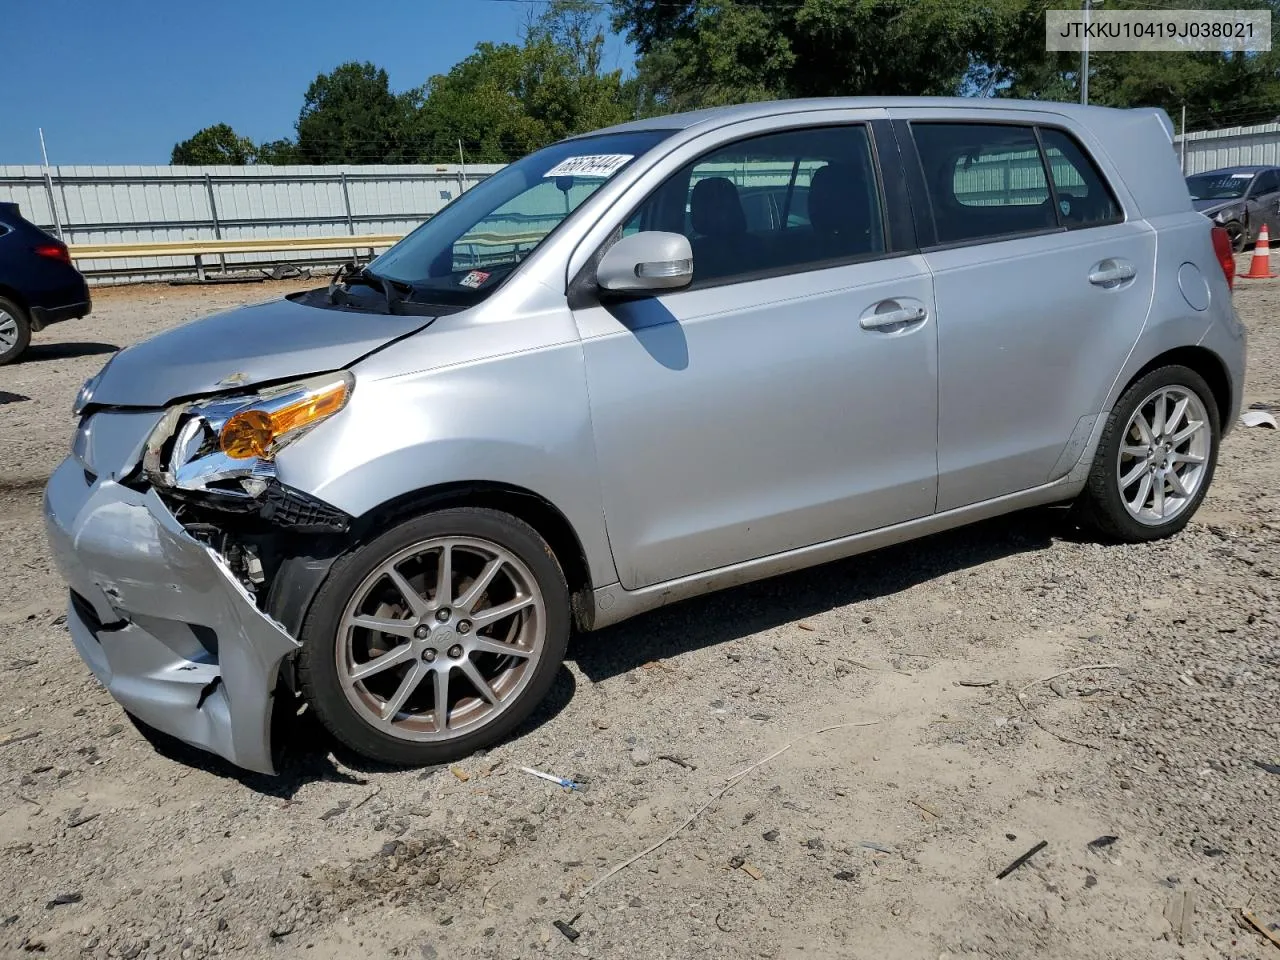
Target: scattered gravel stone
1185 766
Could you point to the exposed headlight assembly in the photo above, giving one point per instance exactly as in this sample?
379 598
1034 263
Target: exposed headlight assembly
227 445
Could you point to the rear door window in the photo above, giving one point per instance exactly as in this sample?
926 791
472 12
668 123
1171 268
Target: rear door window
1084 199
985 181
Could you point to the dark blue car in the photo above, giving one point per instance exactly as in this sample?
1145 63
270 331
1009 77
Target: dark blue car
38 284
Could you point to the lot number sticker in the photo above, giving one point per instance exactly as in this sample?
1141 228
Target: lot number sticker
474 279
595 165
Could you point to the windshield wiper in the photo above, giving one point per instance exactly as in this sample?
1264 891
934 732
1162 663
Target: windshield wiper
352 273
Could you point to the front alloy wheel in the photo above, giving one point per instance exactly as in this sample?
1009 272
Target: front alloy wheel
437 638
441 638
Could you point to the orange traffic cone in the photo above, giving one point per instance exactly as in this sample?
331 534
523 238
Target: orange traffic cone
1260 265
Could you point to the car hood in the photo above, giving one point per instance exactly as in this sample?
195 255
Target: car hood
273 341
1210 207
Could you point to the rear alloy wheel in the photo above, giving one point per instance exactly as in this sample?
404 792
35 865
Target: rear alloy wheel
15 331
1156 457
437 638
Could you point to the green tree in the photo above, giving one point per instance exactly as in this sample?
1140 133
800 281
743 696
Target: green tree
213 145
278 152
350 115
696 53
1217 89
705 52
506 99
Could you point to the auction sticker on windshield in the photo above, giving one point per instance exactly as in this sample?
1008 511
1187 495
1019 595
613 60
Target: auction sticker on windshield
474 279
594 165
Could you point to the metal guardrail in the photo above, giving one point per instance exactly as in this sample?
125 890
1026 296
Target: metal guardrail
111 214
199 249
190 248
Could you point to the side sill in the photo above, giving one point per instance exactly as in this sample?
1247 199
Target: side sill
613 604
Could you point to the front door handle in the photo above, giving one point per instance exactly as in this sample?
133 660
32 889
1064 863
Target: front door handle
1111 273
889 313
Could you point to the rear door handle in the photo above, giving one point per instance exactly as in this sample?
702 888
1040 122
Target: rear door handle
889 313
1111 273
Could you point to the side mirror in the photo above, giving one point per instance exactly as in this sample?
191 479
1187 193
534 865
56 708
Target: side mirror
646 262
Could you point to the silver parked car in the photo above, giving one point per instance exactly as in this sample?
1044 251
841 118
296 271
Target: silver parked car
635 366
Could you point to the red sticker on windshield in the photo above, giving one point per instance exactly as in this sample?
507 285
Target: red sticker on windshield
474 279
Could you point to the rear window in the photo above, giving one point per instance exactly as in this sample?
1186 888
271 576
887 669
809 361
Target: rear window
1084 199
988 181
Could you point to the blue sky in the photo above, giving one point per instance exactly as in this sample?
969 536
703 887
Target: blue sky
120 81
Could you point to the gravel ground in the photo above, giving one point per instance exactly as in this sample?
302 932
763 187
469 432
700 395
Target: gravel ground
879 841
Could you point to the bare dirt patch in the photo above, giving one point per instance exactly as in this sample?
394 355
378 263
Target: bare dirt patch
879 841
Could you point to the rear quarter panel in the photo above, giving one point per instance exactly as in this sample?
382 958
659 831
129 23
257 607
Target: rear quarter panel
1138 143
1184 239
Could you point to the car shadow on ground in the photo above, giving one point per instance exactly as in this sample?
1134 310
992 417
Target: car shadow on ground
307 753
41 352
741 611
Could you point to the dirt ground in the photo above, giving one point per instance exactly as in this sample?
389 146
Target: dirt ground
1153 781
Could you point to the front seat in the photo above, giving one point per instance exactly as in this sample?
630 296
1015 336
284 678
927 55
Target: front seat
840 212
721 244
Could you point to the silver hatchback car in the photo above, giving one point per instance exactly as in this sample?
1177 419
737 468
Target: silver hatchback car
635 366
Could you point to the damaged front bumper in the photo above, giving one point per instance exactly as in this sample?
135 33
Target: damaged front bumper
160 618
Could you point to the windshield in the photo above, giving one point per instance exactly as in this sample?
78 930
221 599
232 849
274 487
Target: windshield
464 252
1219 186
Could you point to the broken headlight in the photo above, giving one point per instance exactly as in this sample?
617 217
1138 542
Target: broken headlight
227 445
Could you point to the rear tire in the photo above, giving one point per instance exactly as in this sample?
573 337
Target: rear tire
15 331
1155 460
384 640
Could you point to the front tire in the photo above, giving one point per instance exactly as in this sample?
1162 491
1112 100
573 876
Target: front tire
1156 458
436 638
15 331
1238 235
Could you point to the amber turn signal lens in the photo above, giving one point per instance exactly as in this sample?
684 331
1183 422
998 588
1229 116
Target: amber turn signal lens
247 435
255 433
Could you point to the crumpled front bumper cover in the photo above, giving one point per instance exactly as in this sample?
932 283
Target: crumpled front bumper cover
161 621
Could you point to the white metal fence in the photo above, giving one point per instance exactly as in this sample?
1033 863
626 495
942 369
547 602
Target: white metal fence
121 204
1230 147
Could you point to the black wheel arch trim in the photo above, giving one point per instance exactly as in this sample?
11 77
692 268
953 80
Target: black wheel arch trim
304 569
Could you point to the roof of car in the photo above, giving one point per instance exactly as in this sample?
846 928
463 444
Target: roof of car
1241 168
718 116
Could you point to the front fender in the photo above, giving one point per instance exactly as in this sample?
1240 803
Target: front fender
520 419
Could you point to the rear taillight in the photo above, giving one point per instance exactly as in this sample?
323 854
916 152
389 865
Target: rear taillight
54 251
1226 259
